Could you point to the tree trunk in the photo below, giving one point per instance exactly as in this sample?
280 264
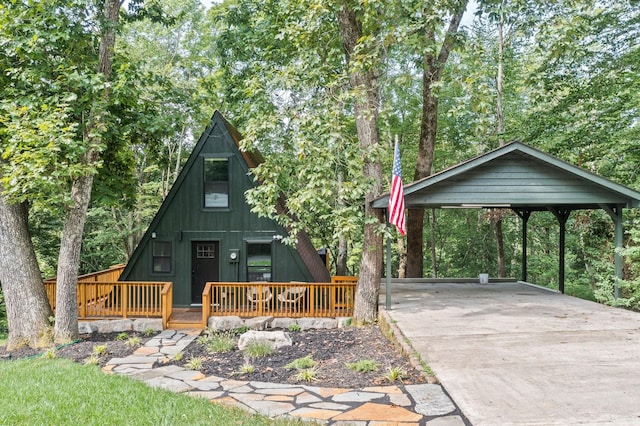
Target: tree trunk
28 309
402 255
341 258
364 82
66 325
500 131
433 66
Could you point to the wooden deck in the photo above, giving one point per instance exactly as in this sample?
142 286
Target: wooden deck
101 296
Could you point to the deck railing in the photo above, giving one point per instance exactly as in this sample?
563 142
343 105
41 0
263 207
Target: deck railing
292 299
123 299
109 275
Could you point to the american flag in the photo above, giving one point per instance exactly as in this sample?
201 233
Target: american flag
396 196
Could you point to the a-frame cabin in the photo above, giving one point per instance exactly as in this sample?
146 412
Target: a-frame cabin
204 230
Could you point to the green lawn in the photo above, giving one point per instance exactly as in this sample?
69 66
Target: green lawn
61 392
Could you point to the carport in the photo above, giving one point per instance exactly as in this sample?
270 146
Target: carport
525 180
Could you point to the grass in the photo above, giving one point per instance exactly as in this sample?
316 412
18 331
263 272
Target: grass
194 363
218 342
363 366
31 395
307 375
395 373
258 348
3 339
301 363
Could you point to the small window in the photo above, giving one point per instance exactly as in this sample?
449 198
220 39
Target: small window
206 251
259 262
161 253
216 182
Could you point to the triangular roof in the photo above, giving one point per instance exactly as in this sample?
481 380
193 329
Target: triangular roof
516 176
305 247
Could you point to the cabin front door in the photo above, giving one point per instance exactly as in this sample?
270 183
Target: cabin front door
205 267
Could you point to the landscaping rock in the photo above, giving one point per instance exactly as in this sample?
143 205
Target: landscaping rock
87 327
278 339
343 321
144 324
284 323
224 323
258 323
113 326
307 323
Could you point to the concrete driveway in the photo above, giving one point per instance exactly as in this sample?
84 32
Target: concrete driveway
513 354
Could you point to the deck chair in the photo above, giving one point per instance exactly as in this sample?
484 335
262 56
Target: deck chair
254 297
292 296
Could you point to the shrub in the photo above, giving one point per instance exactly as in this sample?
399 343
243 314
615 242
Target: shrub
134 341
93 359
307 375
363 366
302 363
247 369
194 363
258 348
395 373
240 330
219 343
100 350
295 328
122 336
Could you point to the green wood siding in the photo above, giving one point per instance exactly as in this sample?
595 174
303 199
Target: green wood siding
513 179
182 219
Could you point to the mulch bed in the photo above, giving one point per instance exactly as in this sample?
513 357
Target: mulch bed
331 348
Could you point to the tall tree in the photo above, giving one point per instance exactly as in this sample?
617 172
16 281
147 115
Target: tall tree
363 79
434 58
66 324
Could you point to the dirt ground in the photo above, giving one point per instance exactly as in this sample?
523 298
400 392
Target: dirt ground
332 349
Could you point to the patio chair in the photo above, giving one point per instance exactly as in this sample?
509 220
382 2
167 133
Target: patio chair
292 296
254 297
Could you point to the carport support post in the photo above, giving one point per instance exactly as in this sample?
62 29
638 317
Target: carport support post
387 303
524 215
616 215
562 216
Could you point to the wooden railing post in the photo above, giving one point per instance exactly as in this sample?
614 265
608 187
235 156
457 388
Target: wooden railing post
124 300
82 298
206 304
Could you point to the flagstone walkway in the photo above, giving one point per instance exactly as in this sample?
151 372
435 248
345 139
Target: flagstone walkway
403 405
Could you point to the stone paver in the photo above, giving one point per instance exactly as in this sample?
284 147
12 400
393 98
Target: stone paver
410 405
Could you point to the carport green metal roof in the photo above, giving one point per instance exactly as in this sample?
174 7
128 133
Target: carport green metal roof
524 179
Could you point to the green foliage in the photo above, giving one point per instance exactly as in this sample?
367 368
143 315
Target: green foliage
307 375
363 366
100 350
302 363
122 336
247 369
217 342
258 348
134 341
294 328
93 359
395 373
3 315
195 363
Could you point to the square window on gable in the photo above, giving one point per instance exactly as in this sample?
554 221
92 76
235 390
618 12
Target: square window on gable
216 182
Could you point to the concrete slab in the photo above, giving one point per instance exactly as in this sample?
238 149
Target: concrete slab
514 354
